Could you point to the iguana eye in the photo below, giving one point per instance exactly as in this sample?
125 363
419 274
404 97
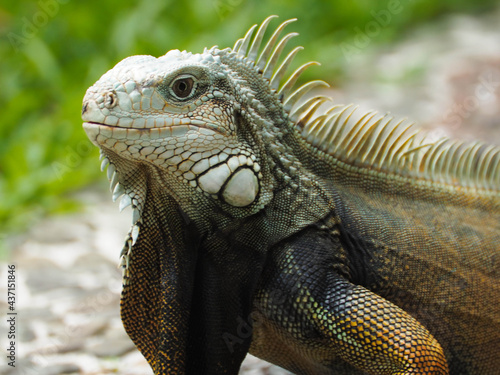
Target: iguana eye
183 87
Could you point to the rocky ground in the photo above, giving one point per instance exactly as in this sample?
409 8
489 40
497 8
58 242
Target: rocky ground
68 285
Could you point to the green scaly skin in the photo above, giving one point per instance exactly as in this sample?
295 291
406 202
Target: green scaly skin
326 244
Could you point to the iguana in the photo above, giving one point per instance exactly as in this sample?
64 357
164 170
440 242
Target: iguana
318 237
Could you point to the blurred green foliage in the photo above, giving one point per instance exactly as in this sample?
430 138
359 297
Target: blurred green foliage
52 50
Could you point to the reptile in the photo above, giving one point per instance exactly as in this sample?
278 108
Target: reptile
267 219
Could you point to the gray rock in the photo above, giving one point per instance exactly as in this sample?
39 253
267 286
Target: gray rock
114 343
43 275
26 367
60 369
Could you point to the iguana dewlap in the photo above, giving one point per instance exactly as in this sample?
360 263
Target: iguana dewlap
317 237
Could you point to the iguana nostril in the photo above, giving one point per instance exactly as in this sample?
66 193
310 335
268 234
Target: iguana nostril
110 99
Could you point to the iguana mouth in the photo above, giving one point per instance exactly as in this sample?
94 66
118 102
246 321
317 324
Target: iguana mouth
100 133
192 124
176 130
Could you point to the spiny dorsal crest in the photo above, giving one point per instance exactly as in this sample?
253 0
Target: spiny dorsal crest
367 140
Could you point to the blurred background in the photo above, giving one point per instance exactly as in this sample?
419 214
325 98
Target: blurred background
436 62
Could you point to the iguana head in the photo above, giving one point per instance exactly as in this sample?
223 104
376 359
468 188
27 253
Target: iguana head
196 145
207 119
178 113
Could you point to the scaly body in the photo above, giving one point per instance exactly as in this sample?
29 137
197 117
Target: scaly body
325 240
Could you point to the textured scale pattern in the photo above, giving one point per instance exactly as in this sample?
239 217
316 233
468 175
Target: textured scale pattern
318 237
370 140
364 329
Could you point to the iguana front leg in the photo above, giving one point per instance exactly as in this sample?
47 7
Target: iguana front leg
340 328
